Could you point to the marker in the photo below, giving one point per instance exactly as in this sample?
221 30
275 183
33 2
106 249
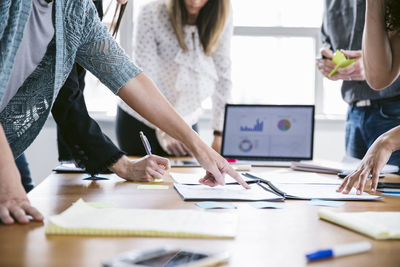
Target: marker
339 250
145 142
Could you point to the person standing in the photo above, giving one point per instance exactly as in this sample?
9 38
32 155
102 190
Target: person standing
184 46
370 112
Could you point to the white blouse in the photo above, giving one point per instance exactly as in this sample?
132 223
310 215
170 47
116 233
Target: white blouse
185 78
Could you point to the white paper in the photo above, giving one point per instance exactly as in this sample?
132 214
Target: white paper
328 166
193 178
290 177
322 191
227 192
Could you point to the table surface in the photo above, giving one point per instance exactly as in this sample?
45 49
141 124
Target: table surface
266 237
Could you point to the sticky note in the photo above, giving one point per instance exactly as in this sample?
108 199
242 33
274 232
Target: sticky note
327 203
215 205
152 187
157 180
241 168
341 62
267 205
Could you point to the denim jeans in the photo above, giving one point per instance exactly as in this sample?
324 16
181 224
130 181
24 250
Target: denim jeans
23 167
365 124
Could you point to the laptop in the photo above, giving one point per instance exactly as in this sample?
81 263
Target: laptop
268 135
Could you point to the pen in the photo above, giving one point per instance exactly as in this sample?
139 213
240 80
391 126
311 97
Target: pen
145 143
339 250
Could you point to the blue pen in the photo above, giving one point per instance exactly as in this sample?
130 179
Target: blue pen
339 250
145 142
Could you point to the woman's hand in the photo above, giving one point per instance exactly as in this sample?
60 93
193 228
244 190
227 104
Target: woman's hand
142 170
216 167
170 145
373 162
14 204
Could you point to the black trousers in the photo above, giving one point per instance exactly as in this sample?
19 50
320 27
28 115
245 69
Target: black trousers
128 128
23 167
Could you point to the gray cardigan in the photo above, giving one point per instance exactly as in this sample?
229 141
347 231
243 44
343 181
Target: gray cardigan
80 36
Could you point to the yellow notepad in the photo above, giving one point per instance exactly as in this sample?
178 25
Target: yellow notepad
375 224
83 219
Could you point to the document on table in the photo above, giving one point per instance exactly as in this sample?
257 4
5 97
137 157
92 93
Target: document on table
229 192
320 191
334 167
375 224
290 177
193 178
83 219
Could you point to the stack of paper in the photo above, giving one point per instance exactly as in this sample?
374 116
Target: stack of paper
325 166
378 225
83 219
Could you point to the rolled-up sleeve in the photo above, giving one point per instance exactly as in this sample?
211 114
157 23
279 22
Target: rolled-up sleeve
100 54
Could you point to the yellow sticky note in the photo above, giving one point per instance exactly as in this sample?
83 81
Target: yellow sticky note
152 186
157 180
341 62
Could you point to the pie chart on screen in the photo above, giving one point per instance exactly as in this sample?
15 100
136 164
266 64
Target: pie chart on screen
284 125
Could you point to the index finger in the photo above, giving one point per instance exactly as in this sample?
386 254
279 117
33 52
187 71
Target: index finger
237 177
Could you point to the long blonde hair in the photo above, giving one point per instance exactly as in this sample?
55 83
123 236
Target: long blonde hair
210 22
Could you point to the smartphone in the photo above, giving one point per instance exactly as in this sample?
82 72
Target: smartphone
165 257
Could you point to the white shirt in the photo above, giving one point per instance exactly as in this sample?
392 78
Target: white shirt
185 78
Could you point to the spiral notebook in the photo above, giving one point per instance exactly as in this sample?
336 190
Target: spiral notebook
84 219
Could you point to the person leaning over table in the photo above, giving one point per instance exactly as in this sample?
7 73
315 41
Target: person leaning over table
370 112
79 137
184 47
26 102
381 53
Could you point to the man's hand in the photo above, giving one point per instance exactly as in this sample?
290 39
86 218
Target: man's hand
354 72
142 170
170 145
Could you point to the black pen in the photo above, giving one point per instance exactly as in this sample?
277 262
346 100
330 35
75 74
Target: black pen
145 142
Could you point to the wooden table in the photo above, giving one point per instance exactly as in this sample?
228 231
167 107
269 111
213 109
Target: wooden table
267 237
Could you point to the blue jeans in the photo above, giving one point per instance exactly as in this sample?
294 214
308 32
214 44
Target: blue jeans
23 167
365 124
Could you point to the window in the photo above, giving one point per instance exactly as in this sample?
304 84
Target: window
274 47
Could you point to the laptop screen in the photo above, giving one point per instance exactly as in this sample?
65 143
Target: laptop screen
279 132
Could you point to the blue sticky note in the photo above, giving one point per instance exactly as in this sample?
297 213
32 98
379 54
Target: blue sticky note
267 205
391 194
215 205
327 203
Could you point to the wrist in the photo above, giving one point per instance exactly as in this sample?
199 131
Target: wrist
217 133
120 167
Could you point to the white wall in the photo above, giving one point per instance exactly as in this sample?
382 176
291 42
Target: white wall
42 154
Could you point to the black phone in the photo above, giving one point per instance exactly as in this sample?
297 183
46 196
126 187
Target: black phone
165 257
